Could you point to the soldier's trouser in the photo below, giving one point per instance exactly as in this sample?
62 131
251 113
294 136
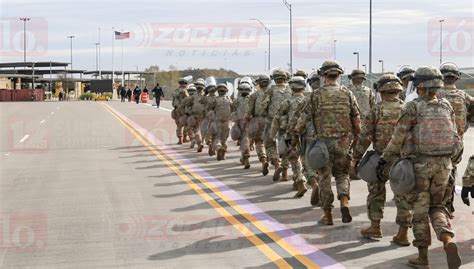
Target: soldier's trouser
244 141
449 197
431 175
222 135
338 166
179 127
270 144
195 129
296 167
308 172
404 204
204 128
258 139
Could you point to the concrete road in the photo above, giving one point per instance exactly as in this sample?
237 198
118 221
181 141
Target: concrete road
89 184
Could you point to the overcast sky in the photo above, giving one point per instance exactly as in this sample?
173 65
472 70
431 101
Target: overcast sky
219 34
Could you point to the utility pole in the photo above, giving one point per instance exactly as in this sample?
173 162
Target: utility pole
24 19
288 5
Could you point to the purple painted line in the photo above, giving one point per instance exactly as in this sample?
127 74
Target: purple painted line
293 239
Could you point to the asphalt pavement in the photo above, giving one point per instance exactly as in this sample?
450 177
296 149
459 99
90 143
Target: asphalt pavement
103 184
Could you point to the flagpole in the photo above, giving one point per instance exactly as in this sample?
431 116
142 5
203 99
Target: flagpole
123 76
100 69
114 93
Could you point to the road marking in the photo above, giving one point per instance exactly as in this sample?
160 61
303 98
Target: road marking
24 138
6 154
165 109
41 122
286 240
162 108
52 113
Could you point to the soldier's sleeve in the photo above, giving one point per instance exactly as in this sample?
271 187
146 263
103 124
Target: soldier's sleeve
303 118
355 115
234 105
282 110
367 135
468 178
251 106
372 99
212 104
293 121
404 126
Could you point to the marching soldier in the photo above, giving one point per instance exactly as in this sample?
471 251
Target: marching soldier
239 109
221 107
178 95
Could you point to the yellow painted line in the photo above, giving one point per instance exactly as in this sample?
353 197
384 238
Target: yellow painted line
266 250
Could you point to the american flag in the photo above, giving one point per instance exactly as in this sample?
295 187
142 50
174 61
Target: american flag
121 35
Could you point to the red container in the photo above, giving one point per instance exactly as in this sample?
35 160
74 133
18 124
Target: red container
144 98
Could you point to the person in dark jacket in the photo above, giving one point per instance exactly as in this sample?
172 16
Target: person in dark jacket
158 92
129 94
136 93
123 93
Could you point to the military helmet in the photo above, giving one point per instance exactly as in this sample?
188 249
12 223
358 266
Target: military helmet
406 72
200 82
183 81
191 88
357 73
297 83
262 78
244 87
301 73
313 77
280 73
389 82
450 70
331 66
428 77
222 87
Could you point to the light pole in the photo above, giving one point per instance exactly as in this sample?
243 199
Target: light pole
357 53
269 36
381 61
24 19
96 56
70 38
335 49
288 5
441 41
370 38
365 68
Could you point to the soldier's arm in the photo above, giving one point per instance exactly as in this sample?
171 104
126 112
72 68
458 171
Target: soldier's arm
293 121
404 126
303 119
355 117
372 98
283 110
251 106
367 135
468 178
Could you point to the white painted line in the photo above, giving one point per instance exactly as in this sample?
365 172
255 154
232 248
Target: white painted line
165 109
6 154
24 138
52 113
41 122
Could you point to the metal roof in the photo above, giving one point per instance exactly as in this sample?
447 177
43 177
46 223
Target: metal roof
31 64
40 71
116 72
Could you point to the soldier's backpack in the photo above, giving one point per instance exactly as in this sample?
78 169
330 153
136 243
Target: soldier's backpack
434 133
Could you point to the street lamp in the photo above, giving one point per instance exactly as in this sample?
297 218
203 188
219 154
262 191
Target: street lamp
370 38
269 34
381 61
365 68
357 53
288 5
441 41
96 56
70 38
335 49
24 19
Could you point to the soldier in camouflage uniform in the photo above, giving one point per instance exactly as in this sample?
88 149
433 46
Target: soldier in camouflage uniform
460 101
406 75
178 95
186 106
274 96
335 116
286 129
206 130
434 140
365 100
256 117
221 107
468 182
239 110
197 112
377 129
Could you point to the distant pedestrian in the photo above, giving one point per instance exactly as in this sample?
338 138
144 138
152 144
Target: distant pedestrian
145 90
158 92
129 94
123 93
136 93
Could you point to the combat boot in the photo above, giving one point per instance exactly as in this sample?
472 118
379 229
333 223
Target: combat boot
246 163
211 152
180 140
301 189
451 249
422 260
284 174
276 175
241 161
346 214
265 164
200 147
315 194
326 218
221 154
401 238
374 231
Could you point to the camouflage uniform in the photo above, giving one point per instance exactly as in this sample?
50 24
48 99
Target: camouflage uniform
257 113
468 182
431 124
284 124
460 101
364 95
186 105
405 74
221 107
336 119
178 95
197 112
209 114
239 110
274 96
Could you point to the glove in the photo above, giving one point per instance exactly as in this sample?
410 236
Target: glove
380 168
465 194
